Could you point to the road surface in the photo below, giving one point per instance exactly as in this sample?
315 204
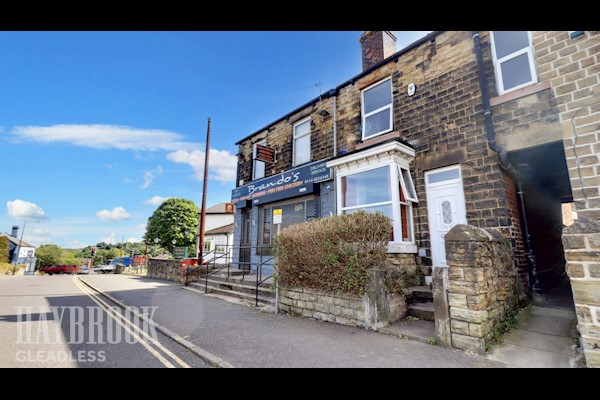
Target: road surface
57 321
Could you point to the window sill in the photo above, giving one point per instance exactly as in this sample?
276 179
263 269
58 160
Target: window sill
526 91
402 248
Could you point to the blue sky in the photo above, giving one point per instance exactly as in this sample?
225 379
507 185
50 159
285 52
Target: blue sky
96 128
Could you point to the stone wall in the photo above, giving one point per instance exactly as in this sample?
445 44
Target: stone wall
373 310
482 285
572 65
582 250
169 270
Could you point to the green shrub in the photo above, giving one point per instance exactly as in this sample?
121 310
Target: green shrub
4 252
332 254
7 269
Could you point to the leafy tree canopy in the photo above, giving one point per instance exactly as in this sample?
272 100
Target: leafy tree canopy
49 255
171 220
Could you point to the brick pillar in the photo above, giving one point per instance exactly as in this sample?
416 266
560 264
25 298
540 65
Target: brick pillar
582 251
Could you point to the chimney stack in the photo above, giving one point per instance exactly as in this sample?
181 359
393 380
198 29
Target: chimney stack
376 47
15 231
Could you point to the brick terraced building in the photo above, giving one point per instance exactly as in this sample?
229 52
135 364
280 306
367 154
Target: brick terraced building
498 130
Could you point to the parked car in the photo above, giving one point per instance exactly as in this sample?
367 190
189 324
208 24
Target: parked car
61 269
104 269
85 270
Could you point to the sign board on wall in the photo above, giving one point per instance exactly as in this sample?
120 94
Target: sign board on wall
277 216
229 208
180 252
292 183
264 153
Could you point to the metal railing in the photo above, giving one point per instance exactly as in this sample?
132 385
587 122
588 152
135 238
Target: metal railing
221 260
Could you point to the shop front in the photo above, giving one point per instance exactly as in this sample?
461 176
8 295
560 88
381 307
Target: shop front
265 206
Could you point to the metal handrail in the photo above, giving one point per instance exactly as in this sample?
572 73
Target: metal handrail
243 266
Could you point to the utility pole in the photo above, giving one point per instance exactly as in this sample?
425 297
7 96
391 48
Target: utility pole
18 249
200 243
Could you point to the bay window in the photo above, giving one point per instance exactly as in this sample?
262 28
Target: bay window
378 179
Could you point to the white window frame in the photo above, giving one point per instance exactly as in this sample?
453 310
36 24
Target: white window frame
298 136
220 243
394 170
390 106
255 162
498 64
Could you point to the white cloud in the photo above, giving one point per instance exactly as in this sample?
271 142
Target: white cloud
222 164
155 201
37 240
117 214
110 166
25 210
75 244
134 240
39 231
110 239
141 226
127 180
103 137
149 176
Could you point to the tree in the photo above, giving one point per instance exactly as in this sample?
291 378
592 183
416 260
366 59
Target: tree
49 255
171 220
4 249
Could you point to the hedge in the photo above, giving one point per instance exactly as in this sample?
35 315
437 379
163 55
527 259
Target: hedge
332 254
4 249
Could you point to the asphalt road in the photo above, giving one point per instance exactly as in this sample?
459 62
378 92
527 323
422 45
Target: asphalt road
56 321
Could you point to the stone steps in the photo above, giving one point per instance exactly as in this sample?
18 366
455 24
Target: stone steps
416 294
422 310
236 288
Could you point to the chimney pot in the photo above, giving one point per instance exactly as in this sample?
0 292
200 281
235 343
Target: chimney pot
15 231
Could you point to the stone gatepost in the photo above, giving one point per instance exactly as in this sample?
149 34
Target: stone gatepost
482 285
440 307
582 251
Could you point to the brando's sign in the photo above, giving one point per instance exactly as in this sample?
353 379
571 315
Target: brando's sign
288 184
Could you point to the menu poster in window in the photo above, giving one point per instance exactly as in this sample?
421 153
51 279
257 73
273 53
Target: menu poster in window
264 153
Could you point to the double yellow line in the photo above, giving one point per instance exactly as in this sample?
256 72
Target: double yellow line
135 331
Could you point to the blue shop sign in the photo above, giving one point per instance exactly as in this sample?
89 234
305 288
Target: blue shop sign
292 183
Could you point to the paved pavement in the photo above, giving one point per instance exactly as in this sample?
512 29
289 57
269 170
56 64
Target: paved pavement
55 321
246 337
544 338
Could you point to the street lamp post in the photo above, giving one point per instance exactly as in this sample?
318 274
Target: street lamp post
174 241
156 240
185 243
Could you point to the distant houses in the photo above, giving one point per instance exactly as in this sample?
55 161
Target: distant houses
20 252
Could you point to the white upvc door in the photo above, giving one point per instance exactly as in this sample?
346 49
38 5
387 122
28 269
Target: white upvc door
446 208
